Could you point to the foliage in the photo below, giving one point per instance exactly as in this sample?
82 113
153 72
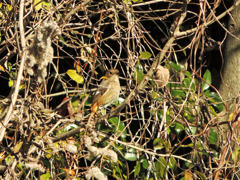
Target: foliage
173 132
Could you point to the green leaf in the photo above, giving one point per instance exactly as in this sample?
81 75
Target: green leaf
188 82
39 4
160 167
158 144
136 1
179 127
10 83
72 73
75 104
200 175
145 164
178 93
215 100
20 166
193 129
45 176
131 155
127 2
9 159
138 73
145 55
213 137
172 162
207 80
137 169
119 126
175 67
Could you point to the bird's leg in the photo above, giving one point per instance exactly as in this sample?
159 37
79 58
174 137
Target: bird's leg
91 123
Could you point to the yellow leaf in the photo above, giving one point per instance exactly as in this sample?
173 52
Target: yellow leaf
2 68
10 83
145 55
47 5
38 5
188 175
1 5
9 7
75 76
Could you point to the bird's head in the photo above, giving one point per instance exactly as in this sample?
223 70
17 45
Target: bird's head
110 73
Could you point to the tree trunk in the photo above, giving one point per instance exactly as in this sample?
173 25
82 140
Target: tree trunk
230 86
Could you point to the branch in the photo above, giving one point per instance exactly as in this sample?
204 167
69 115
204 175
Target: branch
14 95
143 83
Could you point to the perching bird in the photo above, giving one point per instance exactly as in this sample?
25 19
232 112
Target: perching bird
108 90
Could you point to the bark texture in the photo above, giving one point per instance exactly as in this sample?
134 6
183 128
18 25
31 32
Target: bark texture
230 86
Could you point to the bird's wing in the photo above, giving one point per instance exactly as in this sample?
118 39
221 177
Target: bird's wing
102 88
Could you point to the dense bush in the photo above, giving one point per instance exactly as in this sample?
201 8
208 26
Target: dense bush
167 123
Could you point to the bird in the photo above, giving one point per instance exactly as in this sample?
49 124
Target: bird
108 91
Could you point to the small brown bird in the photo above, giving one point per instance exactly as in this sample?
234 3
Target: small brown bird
108 90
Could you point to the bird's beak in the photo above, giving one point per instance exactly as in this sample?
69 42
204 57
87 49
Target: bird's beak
104 77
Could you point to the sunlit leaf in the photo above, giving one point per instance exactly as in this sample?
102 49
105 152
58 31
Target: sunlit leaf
9 7
39 4
207 80
10 83
193 129
130 156
45 176
145 55
20 166
136 1
188 175
9 159
127 1
2 68
75 76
